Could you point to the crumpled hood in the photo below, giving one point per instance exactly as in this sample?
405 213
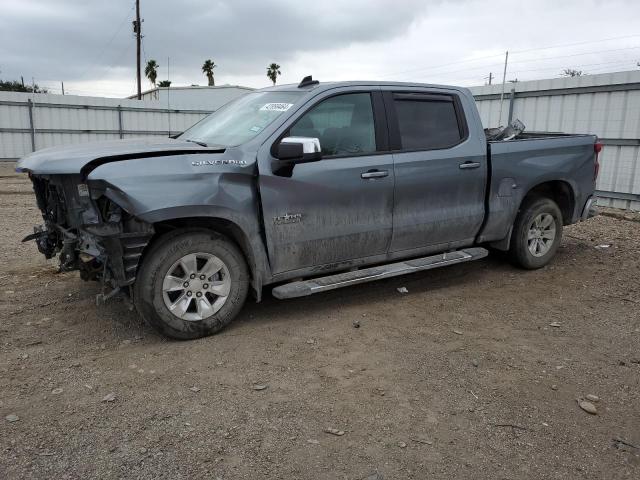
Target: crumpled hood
71 159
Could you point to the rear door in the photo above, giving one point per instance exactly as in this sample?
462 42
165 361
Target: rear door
327 213
440 170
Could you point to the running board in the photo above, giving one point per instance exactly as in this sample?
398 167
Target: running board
331 282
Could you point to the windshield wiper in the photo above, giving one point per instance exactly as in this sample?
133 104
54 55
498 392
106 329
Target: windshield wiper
202 144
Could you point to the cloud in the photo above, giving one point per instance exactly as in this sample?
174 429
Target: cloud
90 45
76 40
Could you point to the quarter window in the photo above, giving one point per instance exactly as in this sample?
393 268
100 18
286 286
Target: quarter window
427 124
343 124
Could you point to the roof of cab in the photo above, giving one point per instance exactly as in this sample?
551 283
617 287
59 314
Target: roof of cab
322 86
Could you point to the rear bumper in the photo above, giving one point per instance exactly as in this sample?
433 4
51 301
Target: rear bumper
590 209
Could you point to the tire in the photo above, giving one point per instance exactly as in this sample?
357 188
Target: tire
191 284
538 216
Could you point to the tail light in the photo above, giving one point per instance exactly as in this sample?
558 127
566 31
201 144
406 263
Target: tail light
597 148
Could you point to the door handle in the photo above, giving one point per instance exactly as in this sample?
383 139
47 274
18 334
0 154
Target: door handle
374 174
468 165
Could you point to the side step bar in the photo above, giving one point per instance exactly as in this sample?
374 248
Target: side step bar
331 282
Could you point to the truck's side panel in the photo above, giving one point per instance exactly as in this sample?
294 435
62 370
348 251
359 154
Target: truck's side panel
334 210
440 167
518 166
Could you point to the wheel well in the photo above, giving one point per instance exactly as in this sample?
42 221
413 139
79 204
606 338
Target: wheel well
226 228
558 191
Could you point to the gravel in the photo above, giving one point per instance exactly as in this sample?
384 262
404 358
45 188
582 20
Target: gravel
402 376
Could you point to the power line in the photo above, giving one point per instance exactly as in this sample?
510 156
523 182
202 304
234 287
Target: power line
530 60
616 62
577 54
433 67
576 66
440 66
144 52
577 43
108 44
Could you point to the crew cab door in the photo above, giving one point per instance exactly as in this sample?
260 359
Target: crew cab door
440 169
325 213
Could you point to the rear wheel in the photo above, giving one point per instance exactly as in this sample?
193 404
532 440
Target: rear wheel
191 284
537 233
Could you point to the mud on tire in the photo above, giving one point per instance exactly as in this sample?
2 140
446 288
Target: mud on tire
176 269
537 233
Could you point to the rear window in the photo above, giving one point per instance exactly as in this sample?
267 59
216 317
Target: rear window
427 122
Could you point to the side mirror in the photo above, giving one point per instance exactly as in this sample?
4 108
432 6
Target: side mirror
299 150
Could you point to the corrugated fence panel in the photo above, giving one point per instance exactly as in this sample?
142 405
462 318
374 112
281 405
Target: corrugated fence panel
14 145
14 116
607 105
48 120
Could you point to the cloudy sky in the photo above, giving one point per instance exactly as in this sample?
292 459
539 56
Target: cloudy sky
89 44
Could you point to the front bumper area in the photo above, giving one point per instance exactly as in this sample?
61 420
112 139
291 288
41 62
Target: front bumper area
88 232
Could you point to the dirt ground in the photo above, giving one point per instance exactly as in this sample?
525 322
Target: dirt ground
474 373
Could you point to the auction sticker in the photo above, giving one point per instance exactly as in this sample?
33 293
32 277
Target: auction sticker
277 107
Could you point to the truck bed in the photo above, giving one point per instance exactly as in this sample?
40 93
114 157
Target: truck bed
529 160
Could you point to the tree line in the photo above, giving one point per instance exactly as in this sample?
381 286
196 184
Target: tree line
151 72
19 86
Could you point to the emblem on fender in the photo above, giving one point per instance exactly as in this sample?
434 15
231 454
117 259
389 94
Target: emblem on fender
287 218
202 163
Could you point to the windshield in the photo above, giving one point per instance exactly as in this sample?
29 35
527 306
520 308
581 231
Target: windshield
242 119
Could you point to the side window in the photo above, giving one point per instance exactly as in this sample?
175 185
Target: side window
343 124
427 124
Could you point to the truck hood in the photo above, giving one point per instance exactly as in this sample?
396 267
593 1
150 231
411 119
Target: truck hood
73 159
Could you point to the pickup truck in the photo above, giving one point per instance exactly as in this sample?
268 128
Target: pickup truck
306 188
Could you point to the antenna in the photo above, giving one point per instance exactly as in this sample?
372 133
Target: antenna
307 82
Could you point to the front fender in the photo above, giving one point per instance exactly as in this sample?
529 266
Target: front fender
173 188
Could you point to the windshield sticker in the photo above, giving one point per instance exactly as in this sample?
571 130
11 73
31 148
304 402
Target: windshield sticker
255 129
276 107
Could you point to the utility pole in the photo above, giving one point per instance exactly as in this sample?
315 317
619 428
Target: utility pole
137 29
490 77
504 79
168 96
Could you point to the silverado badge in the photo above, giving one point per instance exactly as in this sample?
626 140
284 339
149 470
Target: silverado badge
201 163
287 218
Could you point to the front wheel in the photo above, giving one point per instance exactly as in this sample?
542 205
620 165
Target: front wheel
191 284
537 233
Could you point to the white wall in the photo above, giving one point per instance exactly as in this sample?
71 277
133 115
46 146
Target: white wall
66 119
195 98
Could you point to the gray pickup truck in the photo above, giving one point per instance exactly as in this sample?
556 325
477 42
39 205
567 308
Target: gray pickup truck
308 188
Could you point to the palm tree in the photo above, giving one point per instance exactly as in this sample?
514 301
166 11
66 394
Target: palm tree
273 71
207 69
151 71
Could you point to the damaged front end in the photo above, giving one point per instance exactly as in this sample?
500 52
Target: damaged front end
88 231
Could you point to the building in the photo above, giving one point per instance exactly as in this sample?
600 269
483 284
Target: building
194 97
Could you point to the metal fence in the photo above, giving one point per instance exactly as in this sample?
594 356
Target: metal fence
30 122
607 105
